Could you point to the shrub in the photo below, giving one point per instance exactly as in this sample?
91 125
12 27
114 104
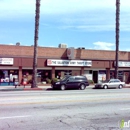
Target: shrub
48 81
91 81
54 80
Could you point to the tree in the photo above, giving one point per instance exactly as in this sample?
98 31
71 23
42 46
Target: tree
37 17
117 35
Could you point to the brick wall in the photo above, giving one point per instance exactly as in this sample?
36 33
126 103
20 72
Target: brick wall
48 52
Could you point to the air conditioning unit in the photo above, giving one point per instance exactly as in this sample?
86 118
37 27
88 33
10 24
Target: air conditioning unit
81 48
18 44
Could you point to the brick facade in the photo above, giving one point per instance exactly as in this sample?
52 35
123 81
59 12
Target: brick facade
48 52
23 57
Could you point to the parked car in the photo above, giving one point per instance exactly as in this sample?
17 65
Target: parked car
112 83
71 82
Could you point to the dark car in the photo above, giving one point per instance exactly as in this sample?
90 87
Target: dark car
71 82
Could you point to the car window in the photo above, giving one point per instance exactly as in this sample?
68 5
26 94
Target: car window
112 81
64 78
80 78
116 80
71 78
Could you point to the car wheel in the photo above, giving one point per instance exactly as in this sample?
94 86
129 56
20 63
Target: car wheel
120 86
105 86
82 86
63 87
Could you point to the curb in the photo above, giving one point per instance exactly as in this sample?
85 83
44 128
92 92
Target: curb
26 89
11 89
23 89
38 89
126 87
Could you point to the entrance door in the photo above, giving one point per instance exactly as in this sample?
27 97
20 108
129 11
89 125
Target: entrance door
95 76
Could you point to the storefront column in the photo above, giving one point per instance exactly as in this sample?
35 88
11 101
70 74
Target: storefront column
20 73
107 73
82 71
53 72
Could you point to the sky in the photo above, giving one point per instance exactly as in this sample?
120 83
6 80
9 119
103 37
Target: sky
76 23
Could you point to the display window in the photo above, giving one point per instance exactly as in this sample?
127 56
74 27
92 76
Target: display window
8 75
120 74
42 75
26 72
101 75
61 73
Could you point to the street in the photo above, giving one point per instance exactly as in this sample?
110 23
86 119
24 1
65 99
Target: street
90 109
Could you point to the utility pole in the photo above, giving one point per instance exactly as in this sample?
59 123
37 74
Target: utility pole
117 35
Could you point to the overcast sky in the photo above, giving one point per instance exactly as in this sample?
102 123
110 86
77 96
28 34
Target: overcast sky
77 23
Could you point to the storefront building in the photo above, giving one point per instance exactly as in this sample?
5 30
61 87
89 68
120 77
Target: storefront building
17 61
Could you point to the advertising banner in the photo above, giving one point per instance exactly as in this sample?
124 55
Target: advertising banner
54 62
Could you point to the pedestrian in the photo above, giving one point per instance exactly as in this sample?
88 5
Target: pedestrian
16 82
24 81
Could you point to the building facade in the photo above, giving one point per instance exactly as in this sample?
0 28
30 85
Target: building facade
17 61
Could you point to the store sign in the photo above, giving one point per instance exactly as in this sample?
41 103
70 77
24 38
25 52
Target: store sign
6 61
54 62
123 64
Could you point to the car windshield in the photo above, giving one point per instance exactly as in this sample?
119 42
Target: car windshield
64 78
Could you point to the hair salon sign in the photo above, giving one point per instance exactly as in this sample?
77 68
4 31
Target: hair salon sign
6 61
54 62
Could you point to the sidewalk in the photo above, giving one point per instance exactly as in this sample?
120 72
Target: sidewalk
40 87
28 88
21 88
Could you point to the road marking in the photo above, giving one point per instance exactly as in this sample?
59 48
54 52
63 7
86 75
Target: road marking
60 96
123 109
10 117
66 101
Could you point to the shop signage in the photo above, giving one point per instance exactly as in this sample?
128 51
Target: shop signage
54 62
123 64
6 61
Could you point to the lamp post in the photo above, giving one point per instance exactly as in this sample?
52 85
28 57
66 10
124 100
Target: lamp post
117 36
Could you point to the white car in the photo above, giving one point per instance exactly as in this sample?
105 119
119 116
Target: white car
112 83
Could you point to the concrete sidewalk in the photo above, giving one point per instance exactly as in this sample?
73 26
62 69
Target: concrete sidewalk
28 88
21 88
44 87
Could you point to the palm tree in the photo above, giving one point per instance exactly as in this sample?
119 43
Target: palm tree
117 35
34 76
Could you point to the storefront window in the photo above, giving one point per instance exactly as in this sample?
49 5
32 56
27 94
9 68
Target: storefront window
27 72
8 75
61 73
101 75
120 74
42 75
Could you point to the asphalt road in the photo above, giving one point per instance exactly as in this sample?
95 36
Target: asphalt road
90 109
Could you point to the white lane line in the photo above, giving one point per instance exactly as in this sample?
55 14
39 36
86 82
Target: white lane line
123 109
10 117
